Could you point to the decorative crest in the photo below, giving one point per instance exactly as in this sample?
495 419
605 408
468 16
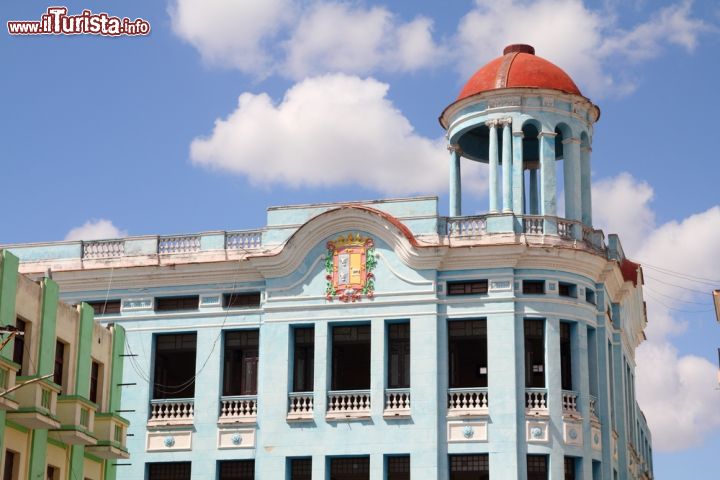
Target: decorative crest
349 263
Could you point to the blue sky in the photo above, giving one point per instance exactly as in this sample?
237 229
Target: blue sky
107 136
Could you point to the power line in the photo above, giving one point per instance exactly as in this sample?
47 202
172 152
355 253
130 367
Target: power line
677 309
687 276
647 287
678 286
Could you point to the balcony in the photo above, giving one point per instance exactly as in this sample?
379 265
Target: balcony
238 409
536 402
37 404
77 420
348 404
397 403
7 382
110 431
593 409
467 402
171 412
569 404
300 406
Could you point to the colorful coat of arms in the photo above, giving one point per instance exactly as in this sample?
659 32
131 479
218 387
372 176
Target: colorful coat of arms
349 264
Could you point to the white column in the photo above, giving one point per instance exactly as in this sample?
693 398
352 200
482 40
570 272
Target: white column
507 166
572 180
493 163
455 193
585 187
518 184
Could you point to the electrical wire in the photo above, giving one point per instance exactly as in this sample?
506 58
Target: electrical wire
677 309
687 276
678 286
647 287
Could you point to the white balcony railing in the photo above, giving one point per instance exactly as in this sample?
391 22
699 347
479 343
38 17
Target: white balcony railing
172 411
569 402
179 244
467 401
243 240
536 401
348 404
533 225
103 249
465 226
238 409
300 405
397 402
565 228
593 407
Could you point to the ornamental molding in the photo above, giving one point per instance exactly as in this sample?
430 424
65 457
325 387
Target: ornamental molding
349 264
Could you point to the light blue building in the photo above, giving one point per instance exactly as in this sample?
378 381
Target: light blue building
381 339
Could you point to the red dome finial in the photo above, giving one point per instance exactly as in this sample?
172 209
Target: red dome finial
519 48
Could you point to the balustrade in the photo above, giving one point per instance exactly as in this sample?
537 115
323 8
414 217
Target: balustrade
569 402
243 240
238 409
536 401
300 405
533 225
179 244
565 228
397 402
348 403
103 249
593 407
466 226
467 401
175 411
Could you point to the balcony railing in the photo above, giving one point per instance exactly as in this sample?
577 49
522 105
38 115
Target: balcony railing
593 408
110 431
179 244
37 404
467 401
103 249
397 402
348 404
172 411
77 419
569 402
565 228
300 406
7 381
536 401
238 409
533 225
465 226
243 240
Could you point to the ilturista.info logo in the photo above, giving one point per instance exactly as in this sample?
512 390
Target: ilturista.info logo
56 21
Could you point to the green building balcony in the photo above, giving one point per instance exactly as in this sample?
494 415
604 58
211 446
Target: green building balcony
110 432
37 404
7 382
77 420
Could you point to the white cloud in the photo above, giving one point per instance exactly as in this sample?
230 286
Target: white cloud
281 37
679 399
327 131
237 34
336 37
584 42
95 230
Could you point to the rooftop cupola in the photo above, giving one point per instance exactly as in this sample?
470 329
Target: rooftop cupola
526 118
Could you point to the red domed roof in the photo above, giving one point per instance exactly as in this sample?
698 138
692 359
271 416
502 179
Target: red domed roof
519 68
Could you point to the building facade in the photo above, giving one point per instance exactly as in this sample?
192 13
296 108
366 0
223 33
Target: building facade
60 373
381 339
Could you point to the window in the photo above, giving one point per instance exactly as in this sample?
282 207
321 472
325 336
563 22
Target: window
469 467
52 473
237 470
169 304
567 289
398 355
241 300
300 468
468 353
19 345
169 471
570 466
351 358
537 467
240 362
303 359
533 286
12 463
95 379
590 296
534 354
398 467
59 362
357 468
565 356
105 307
174 365
471 287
